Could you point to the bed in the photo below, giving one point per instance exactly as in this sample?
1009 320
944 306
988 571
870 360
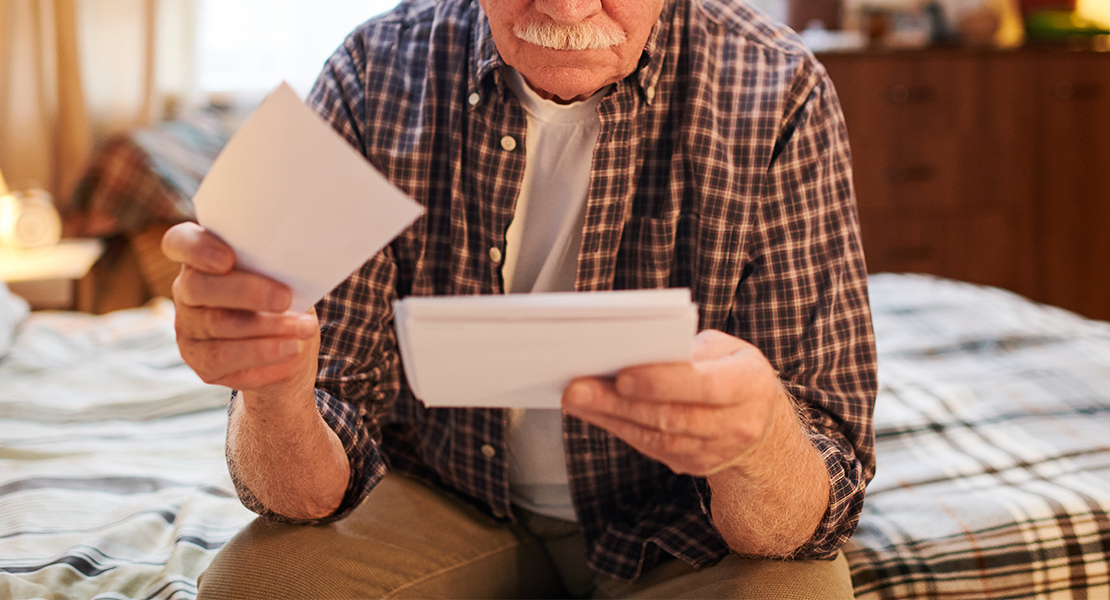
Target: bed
992 427
993 445
112 480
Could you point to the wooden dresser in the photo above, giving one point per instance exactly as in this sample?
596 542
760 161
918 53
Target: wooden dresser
985 166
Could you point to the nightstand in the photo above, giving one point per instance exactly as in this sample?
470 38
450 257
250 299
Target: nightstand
51 277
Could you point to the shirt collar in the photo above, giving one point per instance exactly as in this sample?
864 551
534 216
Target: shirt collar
486 59
655 52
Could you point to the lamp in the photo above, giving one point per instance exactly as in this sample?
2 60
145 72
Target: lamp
28 219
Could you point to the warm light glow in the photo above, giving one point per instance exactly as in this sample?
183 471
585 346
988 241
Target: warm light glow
9 218
1095 10
3 185
68 259
29 220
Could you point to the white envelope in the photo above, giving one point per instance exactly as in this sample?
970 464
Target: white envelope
521 350
297 202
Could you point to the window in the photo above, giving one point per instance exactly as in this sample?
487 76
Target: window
246 47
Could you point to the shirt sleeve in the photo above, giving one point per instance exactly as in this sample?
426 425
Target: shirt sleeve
803 300
359 373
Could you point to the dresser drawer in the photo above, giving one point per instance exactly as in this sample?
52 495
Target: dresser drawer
935 131
987 166
906 117
987 248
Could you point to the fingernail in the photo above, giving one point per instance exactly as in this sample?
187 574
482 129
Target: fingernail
306 326
580 394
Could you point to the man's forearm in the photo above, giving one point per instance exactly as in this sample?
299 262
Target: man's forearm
771 502
288 457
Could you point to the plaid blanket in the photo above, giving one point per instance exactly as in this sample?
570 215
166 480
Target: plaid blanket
148 175
993 443
141 182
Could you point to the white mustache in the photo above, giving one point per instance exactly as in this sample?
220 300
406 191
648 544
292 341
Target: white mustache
580 36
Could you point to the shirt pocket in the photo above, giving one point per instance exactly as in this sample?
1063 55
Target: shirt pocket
684 251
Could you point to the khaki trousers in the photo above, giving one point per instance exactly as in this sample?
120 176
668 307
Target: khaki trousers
410 541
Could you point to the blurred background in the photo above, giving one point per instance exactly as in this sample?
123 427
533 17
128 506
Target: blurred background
980 131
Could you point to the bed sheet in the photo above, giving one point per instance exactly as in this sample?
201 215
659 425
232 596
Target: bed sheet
993 445
992 431
112 478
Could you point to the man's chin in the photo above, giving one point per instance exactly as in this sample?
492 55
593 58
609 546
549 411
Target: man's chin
565 85
569 74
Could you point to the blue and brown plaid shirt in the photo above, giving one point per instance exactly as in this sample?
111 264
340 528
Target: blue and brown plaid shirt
722 165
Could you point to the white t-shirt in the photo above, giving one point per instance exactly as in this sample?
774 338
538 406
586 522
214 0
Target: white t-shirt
541 255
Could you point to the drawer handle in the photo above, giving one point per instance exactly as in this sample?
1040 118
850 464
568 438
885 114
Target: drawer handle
910 94
1075 90
910 174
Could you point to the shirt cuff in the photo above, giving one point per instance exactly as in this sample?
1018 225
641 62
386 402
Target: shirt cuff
846 492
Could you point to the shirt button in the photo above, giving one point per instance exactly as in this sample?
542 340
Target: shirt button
474 99
488 451
508 143
495 254
650 92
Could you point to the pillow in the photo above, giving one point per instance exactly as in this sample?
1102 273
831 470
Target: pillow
13 310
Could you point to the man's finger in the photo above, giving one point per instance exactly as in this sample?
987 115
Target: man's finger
711 344
599 398
220 323
682 453
667 382
235 290
189 243
720 381
213 360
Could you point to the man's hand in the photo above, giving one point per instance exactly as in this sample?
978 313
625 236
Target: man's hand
234 327
697 418
724 416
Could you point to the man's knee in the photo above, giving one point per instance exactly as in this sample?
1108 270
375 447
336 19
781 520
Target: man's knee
405 540
268 560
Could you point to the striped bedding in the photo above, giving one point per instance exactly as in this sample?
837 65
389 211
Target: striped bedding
112 480
992 429
993 442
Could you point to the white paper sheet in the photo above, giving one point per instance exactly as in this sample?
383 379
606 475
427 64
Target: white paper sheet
521 350
297 202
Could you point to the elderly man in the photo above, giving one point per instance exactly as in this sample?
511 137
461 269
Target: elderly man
562 145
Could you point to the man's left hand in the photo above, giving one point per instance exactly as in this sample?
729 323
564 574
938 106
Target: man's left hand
698 417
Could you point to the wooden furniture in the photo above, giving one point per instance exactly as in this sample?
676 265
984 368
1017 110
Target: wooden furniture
54 277
986 166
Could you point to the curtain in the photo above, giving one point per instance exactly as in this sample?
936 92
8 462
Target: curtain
44 129
74 71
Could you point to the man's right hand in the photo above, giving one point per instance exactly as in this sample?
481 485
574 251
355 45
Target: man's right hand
234 327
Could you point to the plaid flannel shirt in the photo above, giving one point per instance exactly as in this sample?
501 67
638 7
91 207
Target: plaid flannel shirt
722 165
